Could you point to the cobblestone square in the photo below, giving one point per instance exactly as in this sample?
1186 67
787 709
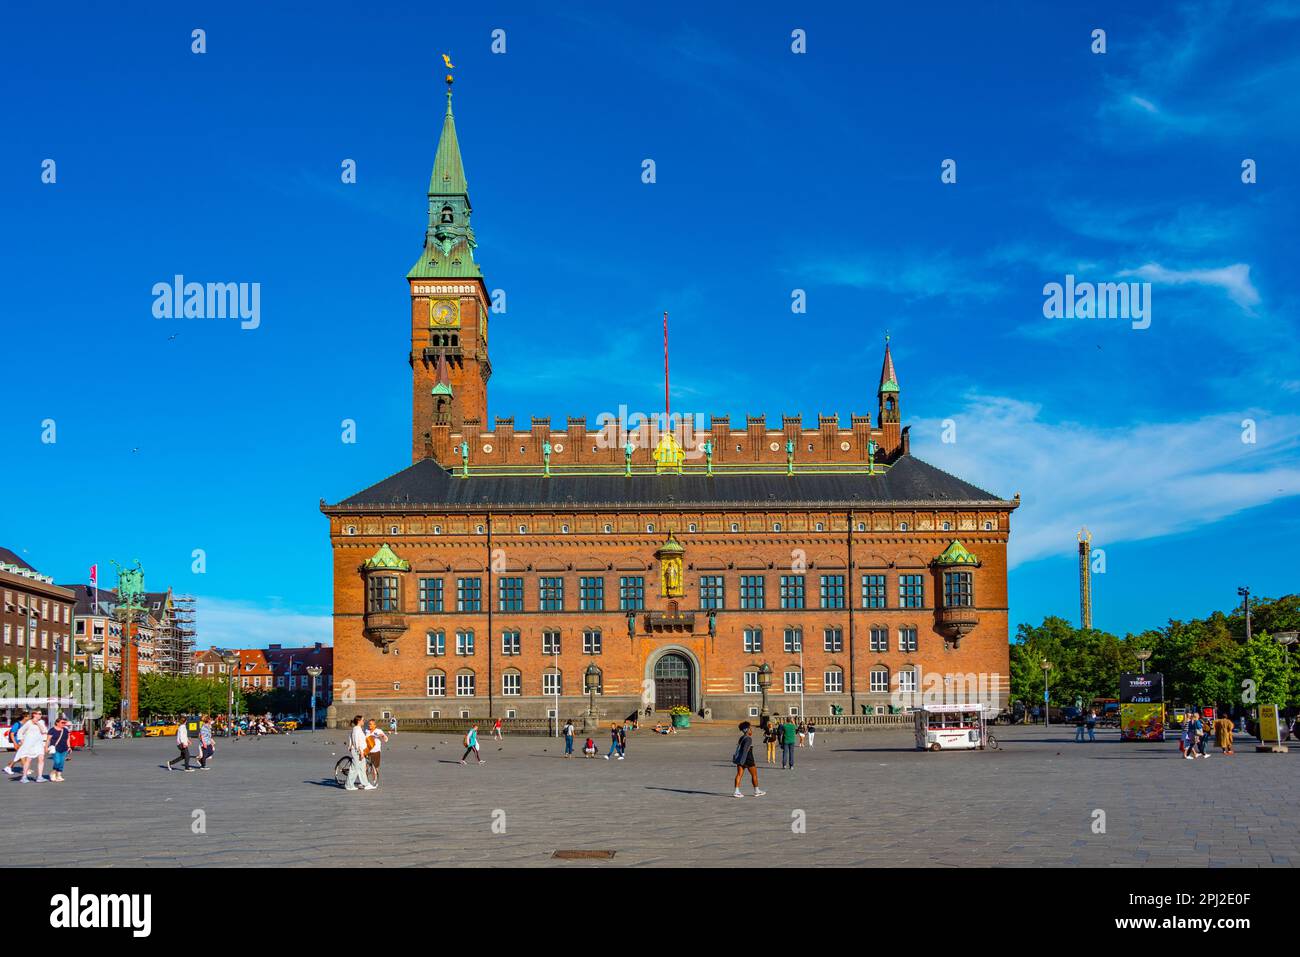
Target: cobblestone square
857 799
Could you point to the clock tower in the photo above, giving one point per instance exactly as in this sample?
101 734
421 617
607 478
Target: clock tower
449 307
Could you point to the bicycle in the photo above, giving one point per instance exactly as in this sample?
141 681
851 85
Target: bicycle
344 767
991 743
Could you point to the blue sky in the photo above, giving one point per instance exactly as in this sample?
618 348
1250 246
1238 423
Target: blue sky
775 171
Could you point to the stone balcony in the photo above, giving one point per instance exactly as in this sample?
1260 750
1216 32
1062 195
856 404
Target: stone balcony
384 628
670 622
956 623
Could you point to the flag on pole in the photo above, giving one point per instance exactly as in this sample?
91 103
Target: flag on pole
94 584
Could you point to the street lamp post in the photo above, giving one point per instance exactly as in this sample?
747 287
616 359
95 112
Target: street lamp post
764 682
231 662
1047 711
91 646
592 678
315 672
1143 655
1286 639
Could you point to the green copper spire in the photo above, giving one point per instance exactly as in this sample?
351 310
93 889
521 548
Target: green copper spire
449 239
448 170
956 554
385 560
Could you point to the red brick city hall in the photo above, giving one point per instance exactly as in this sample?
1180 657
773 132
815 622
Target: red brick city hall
508 568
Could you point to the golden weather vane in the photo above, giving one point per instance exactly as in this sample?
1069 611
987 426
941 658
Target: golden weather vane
446 60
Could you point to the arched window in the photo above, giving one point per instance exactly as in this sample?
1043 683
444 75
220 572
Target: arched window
821 527
608 528
650 526
735 527
902 526
776 526
447 216
947 526
692 527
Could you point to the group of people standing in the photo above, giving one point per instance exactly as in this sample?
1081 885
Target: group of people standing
787 736
1196 733
33 741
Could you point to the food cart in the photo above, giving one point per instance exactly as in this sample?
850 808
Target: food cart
944 727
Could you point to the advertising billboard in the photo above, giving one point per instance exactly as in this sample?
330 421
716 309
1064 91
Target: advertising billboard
1142 707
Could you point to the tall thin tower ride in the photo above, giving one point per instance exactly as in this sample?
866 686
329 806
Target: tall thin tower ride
1085 578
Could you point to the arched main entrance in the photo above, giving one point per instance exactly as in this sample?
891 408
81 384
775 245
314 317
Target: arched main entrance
672 681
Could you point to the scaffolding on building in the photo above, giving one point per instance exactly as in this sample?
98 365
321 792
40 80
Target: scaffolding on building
184 629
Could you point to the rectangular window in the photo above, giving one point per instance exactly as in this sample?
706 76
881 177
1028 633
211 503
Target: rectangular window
631 593
907 680
435 643
751 682
511 684
465 686
832 591
8 634
907 639
510 594
551 684
591 594
510 643
591 642
550 642
753 641
381 593
465 642
469 594
879 639
791 591
958 590
879 681
911 591
833 639
793 641
430 594
81 626
834 682
711 587
873 591
793 682
751 591
550 594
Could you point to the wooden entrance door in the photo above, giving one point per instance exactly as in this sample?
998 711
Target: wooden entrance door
672 682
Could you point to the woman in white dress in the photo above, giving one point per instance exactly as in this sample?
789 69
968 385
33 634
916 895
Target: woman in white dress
35 739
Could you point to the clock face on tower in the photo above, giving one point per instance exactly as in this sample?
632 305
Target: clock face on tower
444 312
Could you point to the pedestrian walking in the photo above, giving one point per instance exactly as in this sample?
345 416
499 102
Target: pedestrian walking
622 740
743 759
1202 736
392 724
801 732
357 751
769 738
375 738
613 742
207 743
471 745
1223 735
812 731
34 742
789 735
1185 742
496 729
15 736
1092 725
60 734
568 738
183 745
1080 726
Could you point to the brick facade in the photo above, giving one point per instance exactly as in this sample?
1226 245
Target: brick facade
537 522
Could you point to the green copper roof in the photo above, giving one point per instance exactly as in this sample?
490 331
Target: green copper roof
448 243
956 554
448 170
671 547
890 386
385 559
441 388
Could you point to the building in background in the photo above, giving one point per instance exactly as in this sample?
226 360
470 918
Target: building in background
290 665
35 618
164 630
676 564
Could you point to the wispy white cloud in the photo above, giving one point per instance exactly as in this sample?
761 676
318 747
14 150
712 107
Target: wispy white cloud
238 624
1127 483
1234 280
